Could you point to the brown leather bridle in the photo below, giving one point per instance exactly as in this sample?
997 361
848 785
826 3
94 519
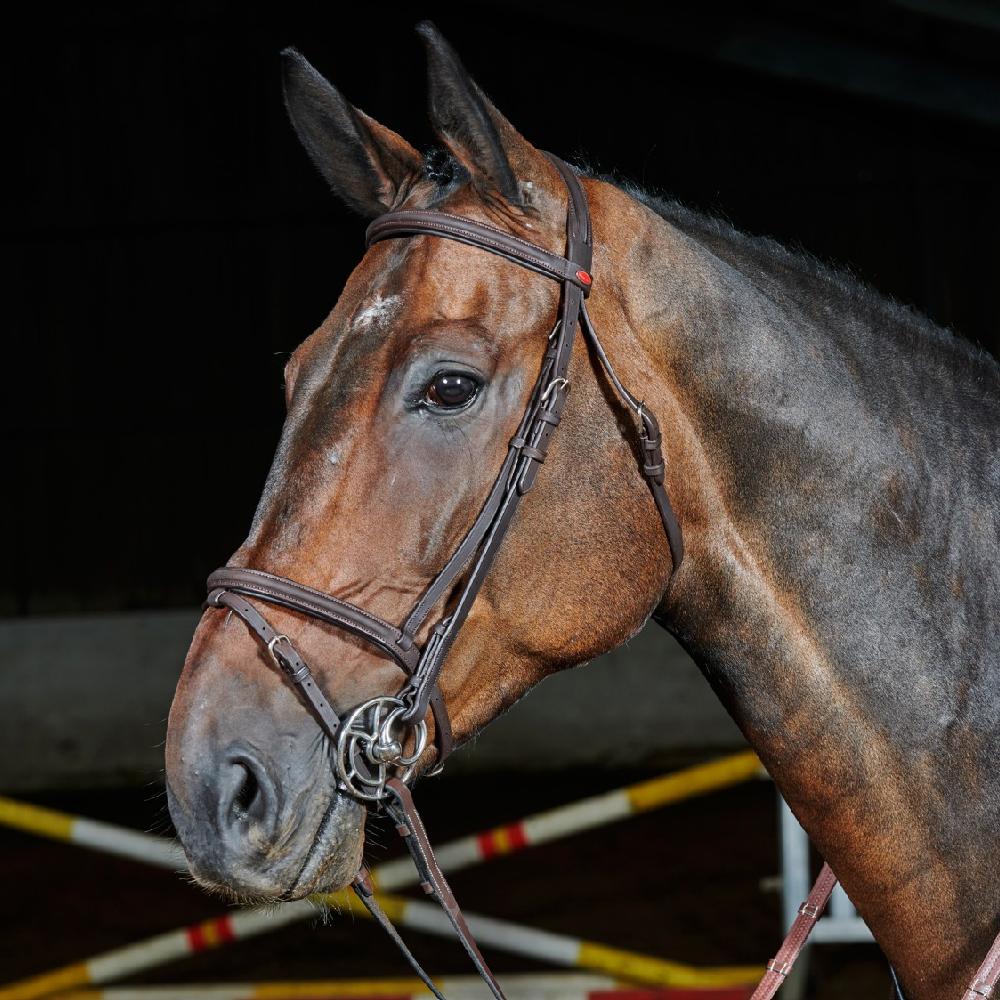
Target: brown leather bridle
526 452
371 755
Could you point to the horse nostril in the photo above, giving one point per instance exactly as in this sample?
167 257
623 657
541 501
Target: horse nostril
248 794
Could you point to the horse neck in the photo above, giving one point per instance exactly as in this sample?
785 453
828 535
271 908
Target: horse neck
834 592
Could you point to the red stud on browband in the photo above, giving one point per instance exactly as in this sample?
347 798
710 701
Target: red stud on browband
584 277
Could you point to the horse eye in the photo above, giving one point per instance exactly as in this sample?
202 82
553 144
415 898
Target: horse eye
450 390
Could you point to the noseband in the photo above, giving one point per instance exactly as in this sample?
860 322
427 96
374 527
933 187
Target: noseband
377 746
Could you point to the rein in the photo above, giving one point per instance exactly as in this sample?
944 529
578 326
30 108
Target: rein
982 985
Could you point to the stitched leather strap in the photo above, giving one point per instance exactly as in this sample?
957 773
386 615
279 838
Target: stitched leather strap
534 444
650 441
809 912
444 635
541 418
284 655
983 984
410 827
985 980
365 891
316 604
478 234
474 537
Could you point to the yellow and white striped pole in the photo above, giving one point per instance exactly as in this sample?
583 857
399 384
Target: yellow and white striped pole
558 949
544 986
538 829
91 833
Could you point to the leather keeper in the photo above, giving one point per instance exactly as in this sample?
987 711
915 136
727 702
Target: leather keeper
362 883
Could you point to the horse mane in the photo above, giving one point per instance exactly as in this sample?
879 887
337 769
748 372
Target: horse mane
852 295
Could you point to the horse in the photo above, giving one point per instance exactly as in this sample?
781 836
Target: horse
831 454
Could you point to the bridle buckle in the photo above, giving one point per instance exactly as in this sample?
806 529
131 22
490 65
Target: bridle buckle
270 649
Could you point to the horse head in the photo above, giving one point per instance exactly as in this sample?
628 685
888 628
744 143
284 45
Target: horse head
400 411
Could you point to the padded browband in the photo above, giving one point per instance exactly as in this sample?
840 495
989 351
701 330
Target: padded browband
486 237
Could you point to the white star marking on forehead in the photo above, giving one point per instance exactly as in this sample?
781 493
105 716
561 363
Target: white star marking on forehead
378 311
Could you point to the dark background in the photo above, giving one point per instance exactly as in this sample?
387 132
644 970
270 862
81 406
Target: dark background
168 243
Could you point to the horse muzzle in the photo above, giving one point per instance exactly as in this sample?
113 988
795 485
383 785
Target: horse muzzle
251 791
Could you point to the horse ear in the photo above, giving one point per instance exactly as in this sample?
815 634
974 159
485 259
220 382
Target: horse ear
493 152
366 164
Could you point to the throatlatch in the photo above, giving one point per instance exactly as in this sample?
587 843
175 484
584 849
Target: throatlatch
377 747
